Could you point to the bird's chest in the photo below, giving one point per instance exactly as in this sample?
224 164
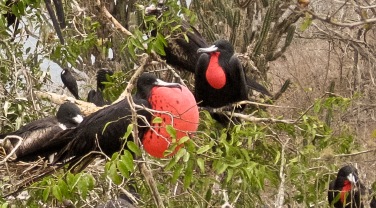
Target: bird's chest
346 190
215 74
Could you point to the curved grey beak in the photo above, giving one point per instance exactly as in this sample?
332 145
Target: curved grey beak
208 49
166 84
78 119
352 178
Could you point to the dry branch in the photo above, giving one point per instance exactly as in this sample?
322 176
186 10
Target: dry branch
85 107
112 19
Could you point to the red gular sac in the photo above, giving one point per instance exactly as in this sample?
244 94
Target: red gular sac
179 109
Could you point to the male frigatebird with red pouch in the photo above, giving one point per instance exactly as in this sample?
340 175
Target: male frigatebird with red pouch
104 129
346 190
219 76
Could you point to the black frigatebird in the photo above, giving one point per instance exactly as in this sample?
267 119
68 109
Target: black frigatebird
346 190
96 96
180 53
219 76
70 82
36 135
104 129
57 23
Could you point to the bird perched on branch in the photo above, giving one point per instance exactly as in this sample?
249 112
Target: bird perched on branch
180 53
96 96
36 135
346 191
104 129
220 78
70 82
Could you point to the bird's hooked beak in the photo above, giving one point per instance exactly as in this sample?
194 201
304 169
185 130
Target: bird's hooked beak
352 178
78 119
208 49
161 83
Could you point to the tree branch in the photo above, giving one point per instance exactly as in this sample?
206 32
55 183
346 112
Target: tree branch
112 19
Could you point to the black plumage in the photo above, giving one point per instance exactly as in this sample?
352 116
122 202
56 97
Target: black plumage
346 190
70 82
219 76
180 53
104 129
96 96
37 135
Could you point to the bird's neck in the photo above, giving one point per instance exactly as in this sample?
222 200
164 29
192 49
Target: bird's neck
345 190
215 74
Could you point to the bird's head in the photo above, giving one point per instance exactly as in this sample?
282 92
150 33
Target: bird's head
147 81
222 46
69 113
349 173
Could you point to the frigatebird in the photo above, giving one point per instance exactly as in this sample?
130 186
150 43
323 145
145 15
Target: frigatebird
346 190
219 76
36 135
104 129
96 96
57 23
180 53
70 82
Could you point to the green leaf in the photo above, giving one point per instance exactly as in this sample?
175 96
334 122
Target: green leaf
5 205
46 193
171 131
180 153
306 22
113 174
221 167
177 173
188 174
129 131
123 168
183 139
157 120
127 158
71 180
171 164
186 157
133 147
57 193
201 164
230 173
63 188
203 149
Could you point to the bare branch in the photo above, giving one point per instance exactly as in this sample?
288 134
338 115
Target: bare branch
112 19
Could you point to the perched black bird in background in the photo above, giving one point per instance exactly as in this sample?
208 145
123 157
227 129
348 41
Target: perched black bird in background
180 53
346 190
36 135
103 130
96 96
70 82
57 23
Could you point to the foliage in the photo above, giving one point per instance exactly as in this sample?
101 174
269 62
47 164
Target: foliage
245 162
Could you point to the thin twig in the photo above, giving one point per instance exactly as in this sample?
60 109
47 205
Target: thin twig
20 140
